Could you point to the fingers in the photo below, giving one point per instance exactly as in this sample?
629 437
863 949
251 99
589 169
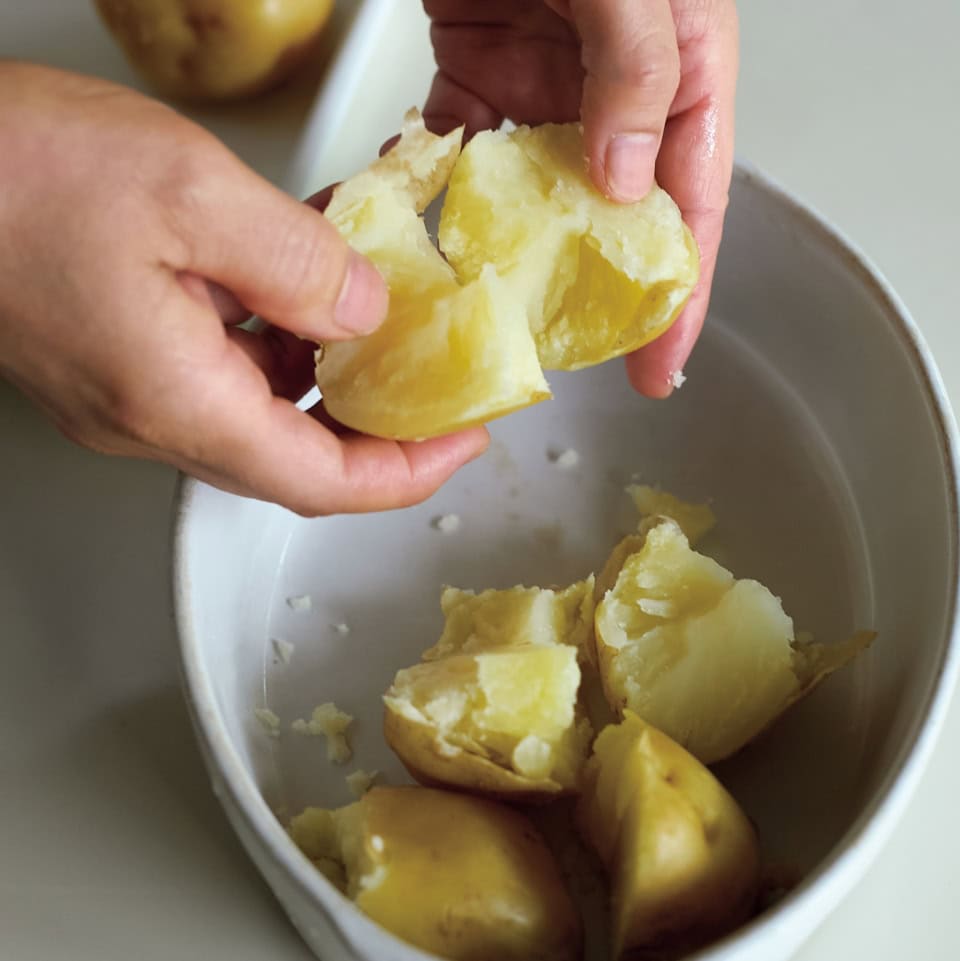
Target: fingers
285 360
265 447
279 258
695 166
632 73
205 403
449 104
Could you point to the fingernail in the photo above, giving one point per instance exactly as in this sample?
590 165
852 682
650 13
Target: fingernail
362 304
629 165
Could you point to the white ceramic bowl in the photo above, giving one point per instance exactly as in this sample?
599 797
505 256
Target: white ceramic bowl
814 420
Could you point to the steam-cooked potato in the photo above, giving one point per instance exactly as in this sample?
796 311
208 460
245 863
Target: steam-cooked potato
707 659
463 878
519 615
682 856
494 707
539 269
503 722
695 520
449 355
215 49
598 278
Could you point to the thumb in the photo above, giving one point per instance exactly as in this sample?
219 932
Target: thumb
632 67
281 259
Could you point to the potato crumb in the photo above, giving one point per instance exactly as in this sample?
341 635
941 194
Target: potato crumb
677 379
268 721
565 459
300 603
342 629
360 782
446 523
282 650
657 607
330 722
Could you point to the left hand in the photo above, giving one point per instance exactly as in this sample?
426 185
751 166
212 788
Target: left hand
653 82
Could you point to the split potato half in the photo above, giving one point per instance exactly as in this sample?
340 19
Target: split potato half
537 270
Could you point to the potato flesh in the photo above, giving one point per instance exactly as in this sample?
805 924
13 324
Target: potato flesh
515 707
449 355
695 520
708 660
598 279
682 856
457 876
518 615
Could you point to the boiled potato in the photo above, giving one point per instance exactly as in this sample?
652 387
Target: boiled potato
520 615
449 355
695 520
460 877
537 270
504 722
707 659
682 857
215 49
598 279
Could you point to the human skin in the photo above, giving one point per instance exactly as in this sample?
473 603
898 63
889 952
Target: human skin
129 238
652 81
132 243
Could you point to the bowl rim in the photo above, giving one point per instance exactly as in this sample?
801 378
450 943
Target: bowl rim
825 885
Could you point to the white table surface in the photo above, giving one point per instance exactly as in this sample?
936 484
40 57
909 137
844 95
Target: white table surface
111 844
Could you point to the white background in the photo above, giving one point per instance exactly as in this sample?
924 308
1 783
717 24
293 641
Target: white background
111 845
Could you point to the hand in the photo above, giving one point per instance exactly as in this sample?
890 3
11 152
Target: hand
653 83
129 239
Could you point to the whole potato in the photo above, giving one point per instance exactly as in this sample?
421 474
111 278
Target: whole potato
215 49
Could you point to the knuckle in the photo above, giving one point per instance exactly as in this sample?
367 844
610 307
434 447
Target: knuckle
310 258
655 65
185 190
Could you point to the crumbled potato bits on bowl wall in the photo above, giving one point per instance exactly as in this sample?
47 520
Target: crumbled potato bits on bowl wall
537 270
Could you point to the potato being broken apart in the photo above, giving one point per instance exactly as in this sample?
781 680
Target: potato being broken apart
709 660
599 279
460 877
494 707
540 270
503 723
682 857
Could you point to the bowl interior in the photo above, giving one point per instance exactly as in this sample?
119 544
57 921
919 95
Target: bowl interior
809 423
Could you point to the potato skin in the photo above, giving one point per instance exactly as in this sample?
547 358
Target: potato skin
682 856
215 49
466 879
431 763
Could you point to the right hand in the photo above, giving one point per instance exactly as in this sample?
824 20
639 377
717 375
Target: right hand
129 239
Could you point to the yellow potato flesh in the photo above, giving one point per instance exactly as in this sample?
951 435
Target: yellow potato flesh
503 722
517 616
215 49
708 660
461 877
695 520
682 856
449 355
598 279
540 270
